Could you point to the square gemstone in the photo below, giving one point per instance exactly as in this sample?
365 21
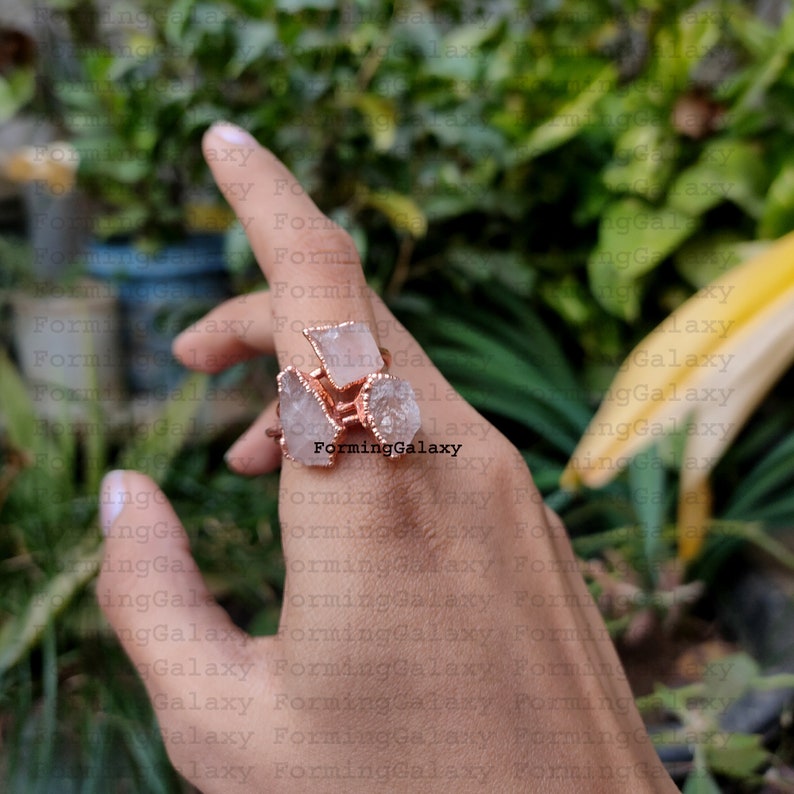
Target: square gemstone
348 352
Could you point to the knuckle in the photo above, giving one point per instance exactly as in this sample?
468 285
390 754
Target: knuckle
329 245
407 507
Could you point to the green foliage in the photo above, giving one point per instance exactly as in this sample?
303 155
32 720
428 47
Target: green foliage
16 263
73 708
516 372
16 90
698 708
604 147
599 149
533 189
135 105
594 141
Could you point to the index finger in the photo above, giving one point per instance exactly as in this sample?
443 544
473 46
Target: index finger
310 263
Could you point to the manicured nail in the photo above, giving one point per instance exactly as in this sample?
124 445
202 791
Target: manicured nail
112 498
231 133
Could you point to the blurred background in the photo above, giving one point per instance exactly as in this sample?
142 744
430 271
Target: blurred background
533 187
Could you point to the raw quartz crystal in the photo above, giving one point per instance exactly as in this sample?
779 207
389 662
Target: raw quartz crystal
304 421
348 352
393 410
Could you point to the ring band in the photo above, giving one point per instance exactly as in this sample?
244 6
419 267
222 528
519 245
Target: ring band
317 408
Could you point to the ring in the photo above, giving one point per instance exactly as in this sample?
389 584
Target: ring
317 408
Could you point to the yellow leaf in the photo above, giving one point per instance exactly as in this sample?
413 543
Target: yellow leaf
402 211
702 371
208 217
380 117
666 376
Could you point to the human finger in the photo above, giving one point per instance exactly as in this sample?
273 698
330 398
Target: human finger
254 452
237 330
311 264
150 588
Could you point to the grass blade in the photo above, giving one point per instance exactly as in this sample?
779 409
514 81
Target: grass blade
21 633
154 450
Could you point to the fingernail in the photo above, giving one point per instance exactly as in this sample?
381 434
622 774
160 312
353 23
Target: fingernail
231 133
112 498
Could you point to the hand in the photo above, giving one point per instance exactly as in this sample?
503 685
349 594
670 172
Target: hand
435 631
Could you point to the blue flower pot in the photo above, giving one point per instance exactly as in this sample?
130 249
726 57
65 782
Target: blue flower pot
160 294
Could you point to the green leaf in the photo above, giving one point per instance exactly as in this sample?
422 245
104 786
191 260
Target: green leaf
751 32
110 156
706 256
16 91
693 37
771 471
47 728
569 299
265 622
647 484
778 215
735 754
763 76
644 158
254 39
127 221
514 388
459 53
292 6
726 680
700 781
633 239
533 415
380 117
159 442
510 268
463 39
727 170
140 749
16 406
175 21
777 512
77 96
754 533
21 633
574 116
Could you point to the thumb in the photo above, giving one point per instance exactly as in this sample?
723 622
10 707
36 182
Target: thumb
150 588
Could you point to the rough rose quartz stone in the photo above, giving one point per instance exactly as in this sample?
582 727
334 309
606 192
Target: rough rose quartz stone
393 410
348 352
304 422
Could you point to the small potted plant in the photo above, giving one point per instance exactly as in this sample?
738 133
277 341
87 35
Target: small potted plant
65 333
134 116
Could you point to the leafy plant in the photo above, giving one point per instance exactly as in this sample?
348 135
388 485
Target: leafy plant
699 375
133 106
533 189
698 708
17 73
63 677
606 159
